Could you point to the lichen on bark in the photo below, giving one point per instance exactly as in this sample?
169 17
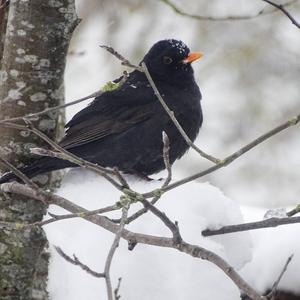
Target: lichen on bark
33 56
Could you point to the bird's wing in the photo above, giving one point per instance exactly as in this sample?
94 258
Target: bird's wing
111 113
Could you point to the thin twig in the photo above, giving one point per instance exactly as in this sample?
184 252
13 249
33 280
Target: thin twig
18 173
121 178
273 291
140 212
211 18
163 217
117 289
281 7
56 218
173 118
75 261
62 153
272 222
166 157
294 211
22 88
124 61
112 252
33 116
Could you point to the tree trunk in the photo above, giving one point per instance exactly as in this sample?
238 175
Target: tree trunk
3 20
31 79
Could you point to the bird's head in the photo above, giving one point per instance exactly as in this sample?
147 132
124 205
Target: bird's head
171 60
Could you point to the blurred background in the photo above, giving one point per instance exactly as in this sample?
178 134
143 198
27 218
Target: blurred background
249 78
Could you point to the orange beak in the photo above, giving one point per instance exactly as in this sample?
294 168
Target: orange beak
192 56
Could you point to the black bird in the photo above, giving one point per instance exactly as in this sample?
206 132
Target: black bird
123 128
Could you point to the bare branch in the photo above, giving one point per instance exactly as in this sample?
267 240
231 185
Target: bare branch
124 61
294 211
117 289
18 173
228 18
163 217
33 116
112 252
281 7
56 218
75 261
166 157
273 291
272 222
121 178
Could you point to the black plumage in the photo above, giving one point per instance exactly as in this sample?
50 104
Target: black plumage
123 128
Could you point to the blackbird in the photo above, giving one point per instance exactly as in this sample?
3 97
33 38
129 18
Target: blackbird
122 128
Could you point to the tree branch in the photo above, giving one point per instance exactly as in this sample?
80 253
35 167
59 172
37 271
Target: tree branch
166 151
273 291
75 261
272 222
124 61
294 211
163 217
112 252
177 10
56 218
117 289
281 7
18 173
35 116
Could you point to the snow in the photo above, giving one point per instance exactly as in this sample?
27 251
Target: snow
147 272
179 45
272 247
275 213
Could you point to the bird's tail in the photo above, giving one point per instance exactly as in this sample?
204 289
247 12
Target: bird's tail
39 166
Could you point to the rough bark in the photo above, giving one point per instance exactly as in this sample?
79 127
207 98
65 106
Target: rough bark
31 78
3 20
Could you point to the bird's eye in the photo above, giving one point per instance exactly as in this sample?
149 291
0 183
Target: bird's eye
167 60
